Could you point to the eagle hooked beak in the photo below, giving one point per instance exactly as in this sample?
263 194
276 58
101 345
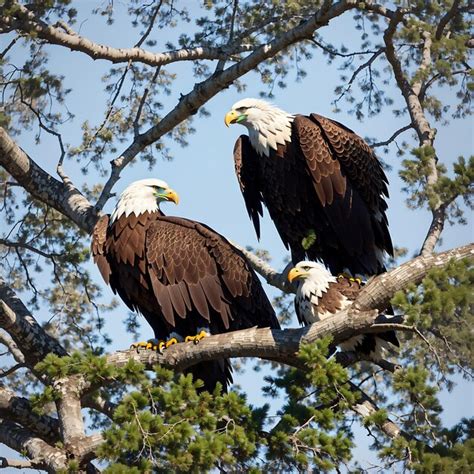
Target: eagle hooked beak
170 195
234 117
296 273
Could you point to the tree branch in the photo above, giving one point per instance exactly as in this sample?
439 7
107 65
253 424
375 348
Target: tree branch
69 408
43 455
282 345
26 246
19 410
18 464
272 277
25 21
446 19
426 134
392 138
418 119
63 197
15 318
10 344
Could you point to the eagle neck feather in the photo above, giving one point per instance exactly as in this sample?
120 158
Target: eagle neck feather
134 204
270 131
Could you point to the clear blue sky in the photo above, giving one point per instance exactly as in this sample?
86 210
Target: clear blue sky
203 172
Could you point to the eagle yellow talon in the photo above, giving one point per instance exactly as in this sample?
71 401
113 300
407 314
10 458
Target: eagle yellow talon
149 345
358 280
196 338
170 342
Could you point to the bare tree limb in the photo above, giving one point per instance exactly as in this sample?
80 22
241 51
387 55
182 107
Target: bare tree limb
63 197
380 289
26 246
43 455
415 109
272 277
367 64
19 410
15 318
450 14
392 138
18 464
26 22
426 134
282 345
69 407
11 345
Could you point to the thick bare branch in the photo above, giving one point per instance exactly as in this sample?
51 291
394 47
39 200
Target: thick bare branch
63 197
43 455
15 318
282 345
415 109
69 408
19 410
426 134
434 232
450 14
379 290
25 21
18 464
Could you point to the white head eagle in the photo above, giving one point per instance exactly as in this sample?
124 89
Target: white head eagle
268 125
187 280
320 295
144 195
321 183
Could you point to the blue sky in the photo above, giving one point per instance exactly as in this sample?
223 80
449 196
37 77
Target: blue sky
203 172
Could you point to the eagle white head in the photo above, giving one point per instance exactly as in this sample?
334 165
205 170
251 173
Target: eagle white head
142 196
313 279
268 125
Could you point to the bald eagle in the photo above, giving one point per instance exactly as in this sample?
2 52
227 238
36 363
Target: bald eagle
322 184
320 295
182 276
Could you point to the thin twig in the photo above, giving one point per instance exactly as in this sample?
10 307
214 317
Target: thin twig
392 138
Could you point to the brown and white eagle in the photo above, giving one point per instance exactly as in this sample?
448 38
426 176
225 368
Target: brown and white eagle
321 295
182 276
321 183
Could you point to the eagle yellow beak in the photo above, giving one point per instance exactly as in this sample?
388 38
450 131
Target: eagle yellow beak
171 195
230 117
295 273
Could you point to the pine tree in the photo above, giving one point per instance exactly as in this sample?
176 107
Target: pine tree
70 404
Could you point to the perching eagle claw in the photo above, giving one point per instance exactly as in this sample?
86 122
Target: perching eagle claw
201 335
154 344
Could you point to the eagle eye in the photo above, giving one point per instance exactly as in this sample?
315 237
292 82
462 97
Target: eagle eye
242 109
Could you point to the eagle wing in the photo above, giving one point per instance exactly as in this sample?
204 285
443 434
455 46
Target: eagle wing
246 169
192 267
357 160
349 182
324 169
364 171
99 237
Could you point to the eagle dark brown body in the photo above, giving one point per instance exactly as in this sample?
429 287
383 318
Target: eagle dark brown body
181 275
325 179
